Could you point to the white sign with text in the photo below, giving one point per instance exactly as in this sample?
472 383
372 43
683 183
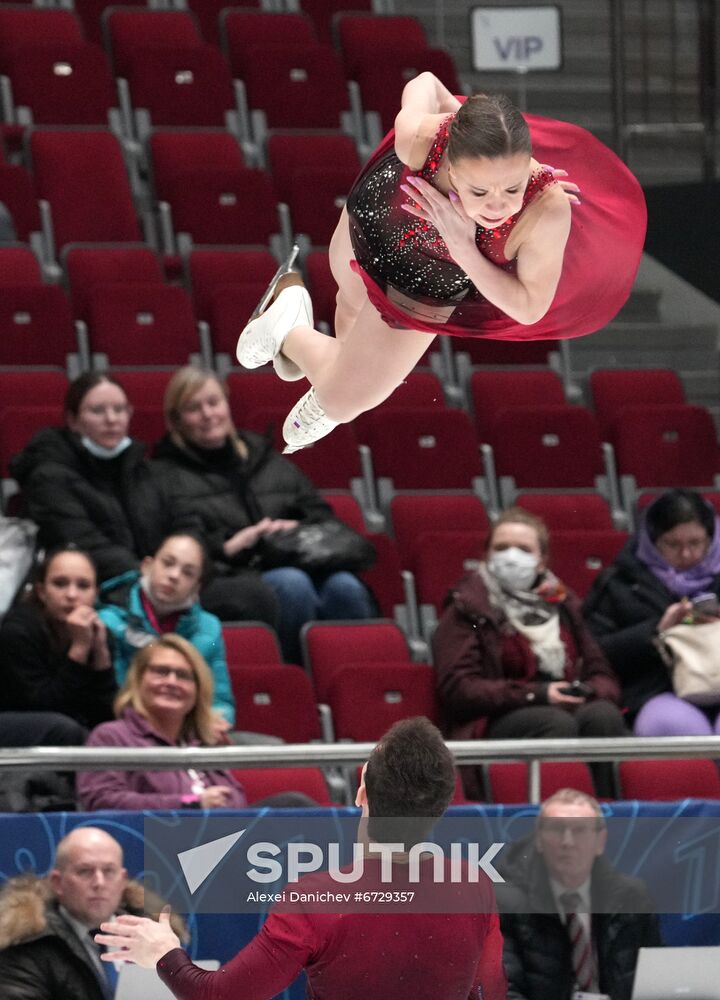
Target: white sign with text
516 38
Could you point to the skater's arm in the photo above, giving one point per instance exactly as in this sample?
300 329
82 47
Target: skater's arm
525 296
425 102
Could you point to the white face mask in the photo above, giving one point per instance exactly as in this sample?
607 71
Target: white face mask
101 452
514 568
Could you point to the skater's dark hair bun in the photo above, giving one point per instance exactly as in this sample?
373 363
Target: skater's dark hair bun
488 125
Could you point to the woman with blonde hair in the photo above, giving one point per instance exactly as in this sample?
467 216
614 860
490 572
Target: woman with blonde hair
234 490
166 700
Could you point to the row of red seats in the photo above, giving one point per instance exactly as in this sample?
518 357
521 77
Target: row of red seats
363 672
435 447
178 78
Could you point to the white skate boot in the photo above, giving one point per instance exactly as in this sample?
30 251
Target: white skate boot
305 423
285 305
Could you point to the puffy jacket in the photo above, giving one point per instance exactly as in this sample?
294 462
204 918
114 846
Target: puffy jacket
537 954
475 683
623 610
220 502
131 629
41 957
37 675
142 789
75 497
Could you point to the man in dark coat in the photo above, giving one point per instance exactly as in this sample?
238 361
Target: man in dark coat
46 925
570 920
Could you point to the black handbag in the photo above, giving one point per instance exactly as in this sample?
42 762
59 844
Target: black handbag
317 547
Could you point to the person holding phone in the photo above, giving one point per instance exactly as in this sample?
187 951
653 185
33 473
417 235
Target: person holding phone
668 573
514 658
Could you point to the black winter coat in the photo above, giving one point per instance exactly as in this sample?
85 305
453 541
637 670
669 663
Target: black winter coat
38 676
622 610
41 956
73 497
537 954
218 502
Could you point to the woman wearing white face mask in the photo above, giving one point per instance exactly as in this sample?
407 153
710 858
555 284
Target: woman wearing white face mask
88 483
511 642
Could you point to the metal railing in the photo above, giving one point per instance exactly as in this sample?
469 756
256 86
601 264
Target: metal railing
532 752
674 62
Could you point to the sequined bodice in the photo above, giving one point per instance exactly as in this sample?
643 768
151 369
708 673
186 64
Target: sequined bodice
409 254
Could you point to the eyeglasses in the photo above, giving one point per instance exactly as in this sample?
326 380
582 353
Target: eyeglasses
162 673
695 545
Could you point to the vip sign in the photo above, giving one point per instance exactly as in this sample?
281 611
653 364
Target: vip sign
516 38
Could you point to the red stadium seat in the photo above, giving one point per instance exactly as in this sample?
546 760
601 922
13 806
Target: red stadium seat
428 449
666 445
207 13
276 701
19 266
669 780
330 464
322 13
547 446
251 643
145 389
244 31
418 390
213 197
132 31
26 27
62 84
313 176
328 646
35 326
509 782
367 38
578 556
367 698
481 351
439 559
614 389
87 267
382 83
82 174
18 195
412 515
226 287
495 391
91 13
19 424
250 391
261 782
568 511
33 388
296 86
344 506
141 324
188 86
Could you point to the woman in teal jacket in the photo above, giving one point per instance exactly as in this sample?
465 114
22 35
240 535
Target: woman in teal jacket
162 598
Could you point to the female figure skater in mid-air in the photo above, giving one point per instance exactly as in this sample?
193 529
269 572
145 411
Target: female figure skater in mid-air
453 227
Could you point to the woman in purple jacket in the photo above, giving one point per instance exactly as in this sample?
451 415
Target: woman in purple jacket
166 700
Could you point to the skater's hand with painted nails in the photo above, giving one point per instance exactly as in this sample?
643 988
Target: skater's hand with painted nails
571 190
446 214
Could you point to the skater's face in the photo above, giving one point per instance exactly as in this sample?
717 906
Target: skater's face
204 419
103 415
491 190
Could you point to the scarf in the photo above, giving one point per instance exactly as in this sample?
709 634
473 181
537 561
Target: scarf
534 615
681 582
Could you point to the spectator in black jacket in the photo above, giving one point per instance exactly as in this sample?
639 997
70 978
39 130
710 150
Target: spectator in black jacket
560 889
674 557
234 489
89 484
54 654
